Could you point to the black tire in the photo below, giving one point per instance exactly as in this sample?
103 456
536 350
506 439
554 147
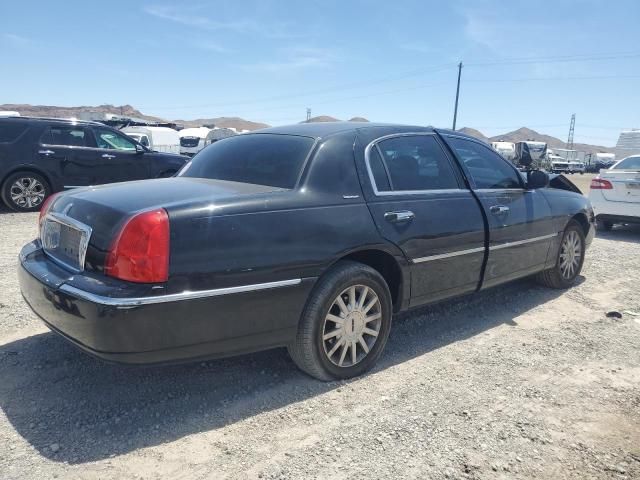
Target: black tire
554 278
604 226
309 350
37 193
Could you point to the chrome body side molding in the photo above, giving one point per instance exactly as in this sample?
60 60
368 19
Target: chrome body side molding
481 249
173 297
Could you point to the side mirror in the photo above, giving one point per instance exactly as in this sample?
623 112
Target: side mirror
140 148
537 179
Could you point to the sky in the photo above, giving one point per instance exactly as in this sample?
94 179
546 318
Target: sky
525 63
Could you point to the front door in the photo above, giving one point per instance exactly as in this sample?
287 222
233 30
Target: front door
418 201
520 223
118 159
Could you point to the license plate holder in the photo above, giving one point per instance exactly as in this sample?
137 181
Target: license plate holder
65 240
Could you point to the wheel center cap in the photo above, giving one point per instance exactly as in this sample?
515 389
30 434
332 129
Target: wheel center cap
354 324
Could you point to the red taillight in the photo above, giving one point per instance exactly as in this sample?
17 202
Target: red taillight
46 206
140 252
601 184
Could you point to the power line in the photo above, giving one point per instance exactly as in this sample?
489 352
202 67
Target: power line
422 71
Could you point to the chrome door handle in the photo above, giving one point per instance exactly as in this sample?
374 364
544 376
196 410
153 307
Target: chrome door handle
46 152
499 210
106 155
401 216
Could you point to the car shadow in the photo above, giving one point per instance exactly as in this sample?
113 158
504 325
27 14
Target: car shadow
625 233
53 394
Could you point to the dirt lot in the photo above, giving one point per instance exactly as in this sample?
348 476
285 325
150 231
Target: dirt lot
518 382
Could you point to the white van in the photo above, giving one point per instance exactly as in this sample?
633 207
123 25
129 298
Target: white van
192 140
157 139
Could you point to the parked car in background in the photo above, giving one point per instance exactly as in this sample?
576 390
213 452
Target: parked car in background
192 140
156 139
309 236
615 193
40 156
576 167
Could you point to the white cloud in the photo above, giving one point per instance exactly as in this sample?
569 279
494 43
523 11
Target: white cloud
196 19
296 58
16 40
209 46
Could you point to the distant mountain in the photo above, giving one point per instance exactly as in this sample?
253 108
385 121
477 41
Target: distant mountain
67 112
327 118
474 133
525 133
128 111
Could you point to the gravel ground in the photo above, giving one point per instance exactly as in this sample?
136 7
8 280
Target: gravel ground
517 382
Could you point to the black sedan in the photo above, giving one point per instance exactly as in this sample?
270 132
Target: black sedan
309 236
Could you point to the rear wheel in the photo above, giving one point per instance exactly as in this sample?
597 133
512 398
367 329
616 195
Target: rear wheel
345 325
569 260
25 191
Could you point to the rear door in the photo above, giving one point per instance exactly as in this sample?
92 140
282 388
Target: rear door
70 152
419 202
118 159
520 225
625 181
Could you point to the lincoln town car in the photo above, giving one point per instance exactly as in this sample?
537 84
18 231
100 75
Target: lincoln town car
309 237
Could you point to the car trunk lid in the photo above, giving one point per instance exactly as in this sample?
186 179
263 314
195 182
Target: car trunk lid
104 209
625 183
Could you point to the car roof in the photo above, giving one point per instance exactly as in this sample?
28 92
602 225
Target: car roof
66 121
326 129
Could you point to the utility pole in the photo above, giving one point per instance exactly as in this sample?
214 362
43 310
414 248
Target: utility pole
308 114
455 111
571 129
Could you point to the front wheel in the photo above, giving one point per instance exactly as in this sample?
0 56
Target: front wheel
569 260
345 325
25 191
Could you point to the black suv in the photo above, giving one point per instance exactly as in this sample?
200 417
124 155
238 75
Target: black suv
40 156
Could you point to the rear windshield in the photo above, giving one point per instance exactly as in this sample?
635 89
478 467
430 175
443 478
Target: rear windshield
631 163
261 159
9 132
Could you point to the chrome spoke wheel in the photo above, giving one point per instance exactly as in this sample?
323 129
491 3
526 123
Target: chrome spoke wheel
570 254
352 326
27 192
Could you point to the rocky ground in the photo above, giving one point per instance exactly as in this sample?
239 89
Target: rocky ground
518 382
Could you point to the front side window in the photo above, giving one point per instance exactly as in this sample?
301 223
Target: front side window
412 163
113 141
260 159
68 136
486 168
631 163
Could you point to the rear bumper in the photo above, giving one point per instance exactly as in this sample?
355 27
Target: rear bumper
165 330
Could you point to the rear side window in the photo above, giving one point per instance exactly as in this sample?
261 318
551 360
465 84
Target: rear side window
487 169
260 159
414 163
378 170
66 136
10 132
631 163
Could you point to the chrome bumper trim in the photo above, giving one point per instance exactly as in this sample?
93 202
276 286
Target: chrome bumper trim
174 297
